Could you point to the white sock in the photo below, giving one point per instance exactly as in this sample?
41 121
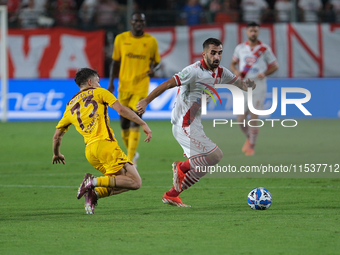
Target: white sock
94 181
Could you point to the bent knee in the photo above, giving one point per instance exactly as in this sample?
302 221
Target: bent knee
216 156
219 156
136 184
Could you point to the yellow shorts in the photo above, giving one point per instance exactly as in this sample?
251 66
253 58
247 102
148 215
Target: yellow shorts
130 100
106 156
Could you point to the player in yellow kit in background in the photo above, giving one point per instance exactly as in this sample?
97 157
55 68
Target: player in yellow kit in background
88 112
135 59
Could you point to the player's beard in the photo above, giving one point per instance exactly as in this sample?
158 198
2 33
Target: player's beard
213 64
252 39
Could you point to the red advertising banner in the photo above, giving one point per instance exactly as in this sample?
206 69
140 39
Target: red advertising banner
302 49
54 53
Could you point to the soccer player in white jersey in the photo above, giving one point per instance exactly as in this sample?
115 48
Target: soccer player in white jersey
254 60
193 81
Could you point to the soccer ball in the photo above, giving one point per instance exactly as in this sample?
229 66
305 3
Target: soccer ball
259 199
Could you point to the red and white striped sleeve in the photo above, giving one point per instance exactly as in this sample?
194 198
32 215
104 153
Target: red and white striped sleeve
185 76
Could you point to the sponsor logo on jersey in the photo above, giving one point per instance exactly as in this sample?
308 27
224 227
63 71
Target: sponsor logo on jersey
184 73
250 60
131 55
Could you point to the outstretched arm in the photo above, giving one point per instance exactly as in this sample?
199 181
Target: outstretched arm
129 114
155 93
57 156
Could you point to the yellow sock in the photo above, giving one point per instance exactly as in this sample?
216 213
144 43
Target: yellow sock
133 143
125 136
106 181
104 192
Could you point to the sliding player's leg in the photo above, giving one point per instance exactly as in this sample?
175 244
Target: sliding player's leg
108 158
126 179
92 195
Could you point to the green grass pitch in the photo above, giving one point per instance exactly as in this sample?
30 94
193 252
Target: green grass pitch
40 213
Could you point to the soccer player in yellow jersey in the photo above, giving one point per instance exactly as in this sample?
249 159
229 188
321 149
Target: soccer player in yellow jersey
135 58
88 112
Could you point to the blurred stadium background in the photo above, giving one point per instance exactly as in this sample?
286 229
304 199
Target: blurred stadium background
49 40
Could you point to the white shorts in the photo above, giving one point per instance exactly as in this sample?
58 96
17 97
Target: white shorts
259 95
193 141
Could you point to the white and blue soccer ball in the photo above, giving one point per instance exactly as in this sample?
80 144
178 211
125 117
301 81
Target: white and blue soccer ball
259 199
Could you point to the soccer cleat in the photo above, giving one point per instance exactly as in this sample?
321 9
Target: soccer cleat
178 176
85 185
135 158
245 146
175 201
250 152
90 201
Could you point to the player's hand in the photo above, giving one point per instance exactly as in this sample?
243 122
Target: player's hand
150 73
148 132
261 76
141 106
111 88
58 159
250 84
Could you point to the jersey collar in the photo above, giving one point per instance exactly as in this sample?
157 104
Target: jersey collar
217 71
204 65
259 42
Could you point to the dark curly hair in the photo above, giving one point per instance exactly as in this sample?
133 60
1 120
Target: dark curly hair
213 41
83 75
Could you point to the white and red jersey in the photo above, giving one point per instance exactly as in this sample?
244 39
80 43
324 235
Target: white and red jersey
252 61
193 81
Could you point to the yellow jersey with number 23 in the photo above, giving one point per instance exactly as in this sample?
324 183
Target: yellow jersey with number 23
88 112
